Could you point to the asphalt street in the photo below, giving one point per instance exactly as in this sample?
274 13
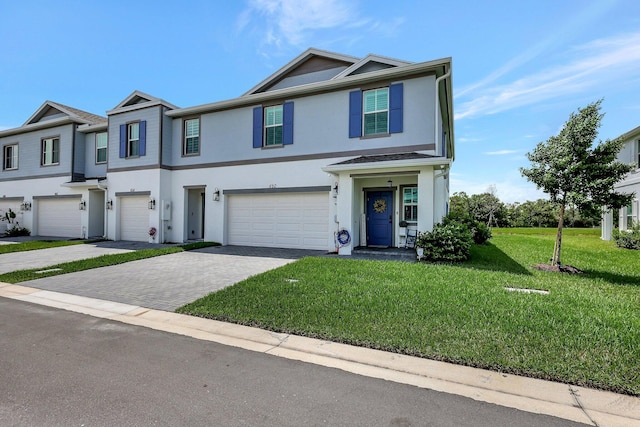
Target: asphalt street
59 368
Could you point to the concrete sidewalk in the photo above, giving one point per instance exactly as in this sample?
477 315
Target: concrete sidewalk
588 406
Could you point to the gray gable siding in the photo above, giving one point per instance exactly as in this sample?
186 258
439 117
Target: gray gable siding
29 153
93 170
321 126
152 116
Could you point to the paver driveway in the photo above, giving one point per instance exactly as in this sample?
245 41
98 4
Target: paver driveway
169 281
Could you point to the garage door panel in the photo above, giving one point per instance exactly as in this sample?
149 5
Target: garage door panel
293 220
134 218
59 217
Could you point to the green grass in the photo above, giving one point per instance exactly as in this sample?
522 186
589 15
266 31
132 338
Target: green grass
37 244
101 261
586 331
548 231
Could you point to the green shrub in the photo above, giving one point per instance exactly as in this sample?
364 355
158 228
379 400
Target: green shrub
17 230
628 239
480 233
447 242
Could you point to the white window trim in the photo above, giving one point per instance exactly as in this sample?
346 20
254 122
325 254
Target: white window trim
14 157
105 148
186 137
131 140
365 113
416 204
275 125
44 143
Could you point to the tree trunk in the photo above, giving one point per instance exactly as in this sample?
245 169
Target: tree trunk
557 250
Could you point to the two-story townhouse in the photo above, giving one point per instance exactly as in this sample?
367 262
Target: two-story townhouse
630 154
48 170
330 152
327 144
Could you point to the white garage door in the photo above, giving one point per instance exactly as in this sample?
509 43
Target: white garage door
134 218
59 217
292 220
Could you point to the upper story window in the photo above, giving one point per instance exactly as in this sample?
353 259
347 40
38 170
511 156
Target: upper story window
133 139
191 141
273 125
376 112
273 121
410 204
101 147
10 157
50 151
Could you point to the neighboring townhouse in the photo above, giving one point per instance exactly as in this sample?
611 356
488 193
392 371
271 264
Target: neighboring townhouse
47 167
630 154
328 146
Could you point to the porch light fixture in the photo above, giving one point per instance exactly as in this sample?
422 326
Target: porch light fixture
109 204
25 206
152 204
216 195
82 205
335 188
390 183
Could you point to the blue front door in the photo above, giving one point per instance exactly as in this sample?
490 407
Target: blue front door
379 218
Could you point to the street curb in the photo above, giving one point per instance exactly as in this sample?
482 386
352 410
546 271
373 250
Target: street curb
580 404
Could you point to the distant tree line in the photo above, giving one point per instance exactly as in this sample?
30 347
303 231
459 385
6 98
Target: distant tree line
488 209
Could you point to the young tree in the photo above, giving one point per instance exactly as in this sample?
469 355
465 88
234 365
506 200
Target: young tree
572 170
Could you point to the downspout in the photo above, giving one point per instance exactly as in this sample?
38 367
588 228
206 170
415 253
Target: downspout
437 105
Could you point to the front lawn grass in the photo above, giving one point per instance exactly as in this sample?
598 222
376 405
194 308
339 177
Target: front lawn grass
586 331
37 244
96 262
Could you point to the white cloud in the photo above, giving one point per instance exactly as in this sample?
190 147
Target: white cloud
500 152
604 61
291 22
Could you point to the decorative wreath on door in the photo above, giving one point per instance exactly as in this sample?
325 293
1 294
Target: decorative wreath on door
380 206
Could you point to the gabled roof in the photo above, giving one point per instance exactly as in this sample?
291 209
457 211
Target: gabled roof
310 61
376 158
370 62
137 100
50 109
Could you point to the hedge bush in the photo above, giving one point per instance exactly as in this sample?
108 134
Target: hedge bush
480 233
447 242
628 239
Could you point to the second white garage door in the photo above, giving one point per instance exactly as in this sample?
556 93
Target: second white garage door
134 218
59 217
291 220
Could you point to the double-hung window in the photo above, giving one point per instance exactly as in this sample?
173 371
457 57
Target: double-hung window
410 204
191 141
629 215
50 151
273 125
101 147
133 139
376 111
10 157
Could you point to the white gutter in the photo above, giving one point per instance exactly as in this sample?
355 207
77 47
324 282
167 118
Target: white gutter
40 125
437 109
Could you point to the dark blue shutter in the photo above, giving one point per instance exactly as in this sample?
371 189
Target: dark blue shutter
355 114
287 123
257 127
395 107
123 141
143 138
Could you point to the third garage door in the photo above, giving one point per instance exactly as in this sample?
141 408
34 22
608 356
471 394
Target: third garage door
291 220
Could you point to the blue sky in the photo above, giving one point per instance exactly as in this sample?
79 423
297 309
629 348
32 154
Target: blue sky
519 67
